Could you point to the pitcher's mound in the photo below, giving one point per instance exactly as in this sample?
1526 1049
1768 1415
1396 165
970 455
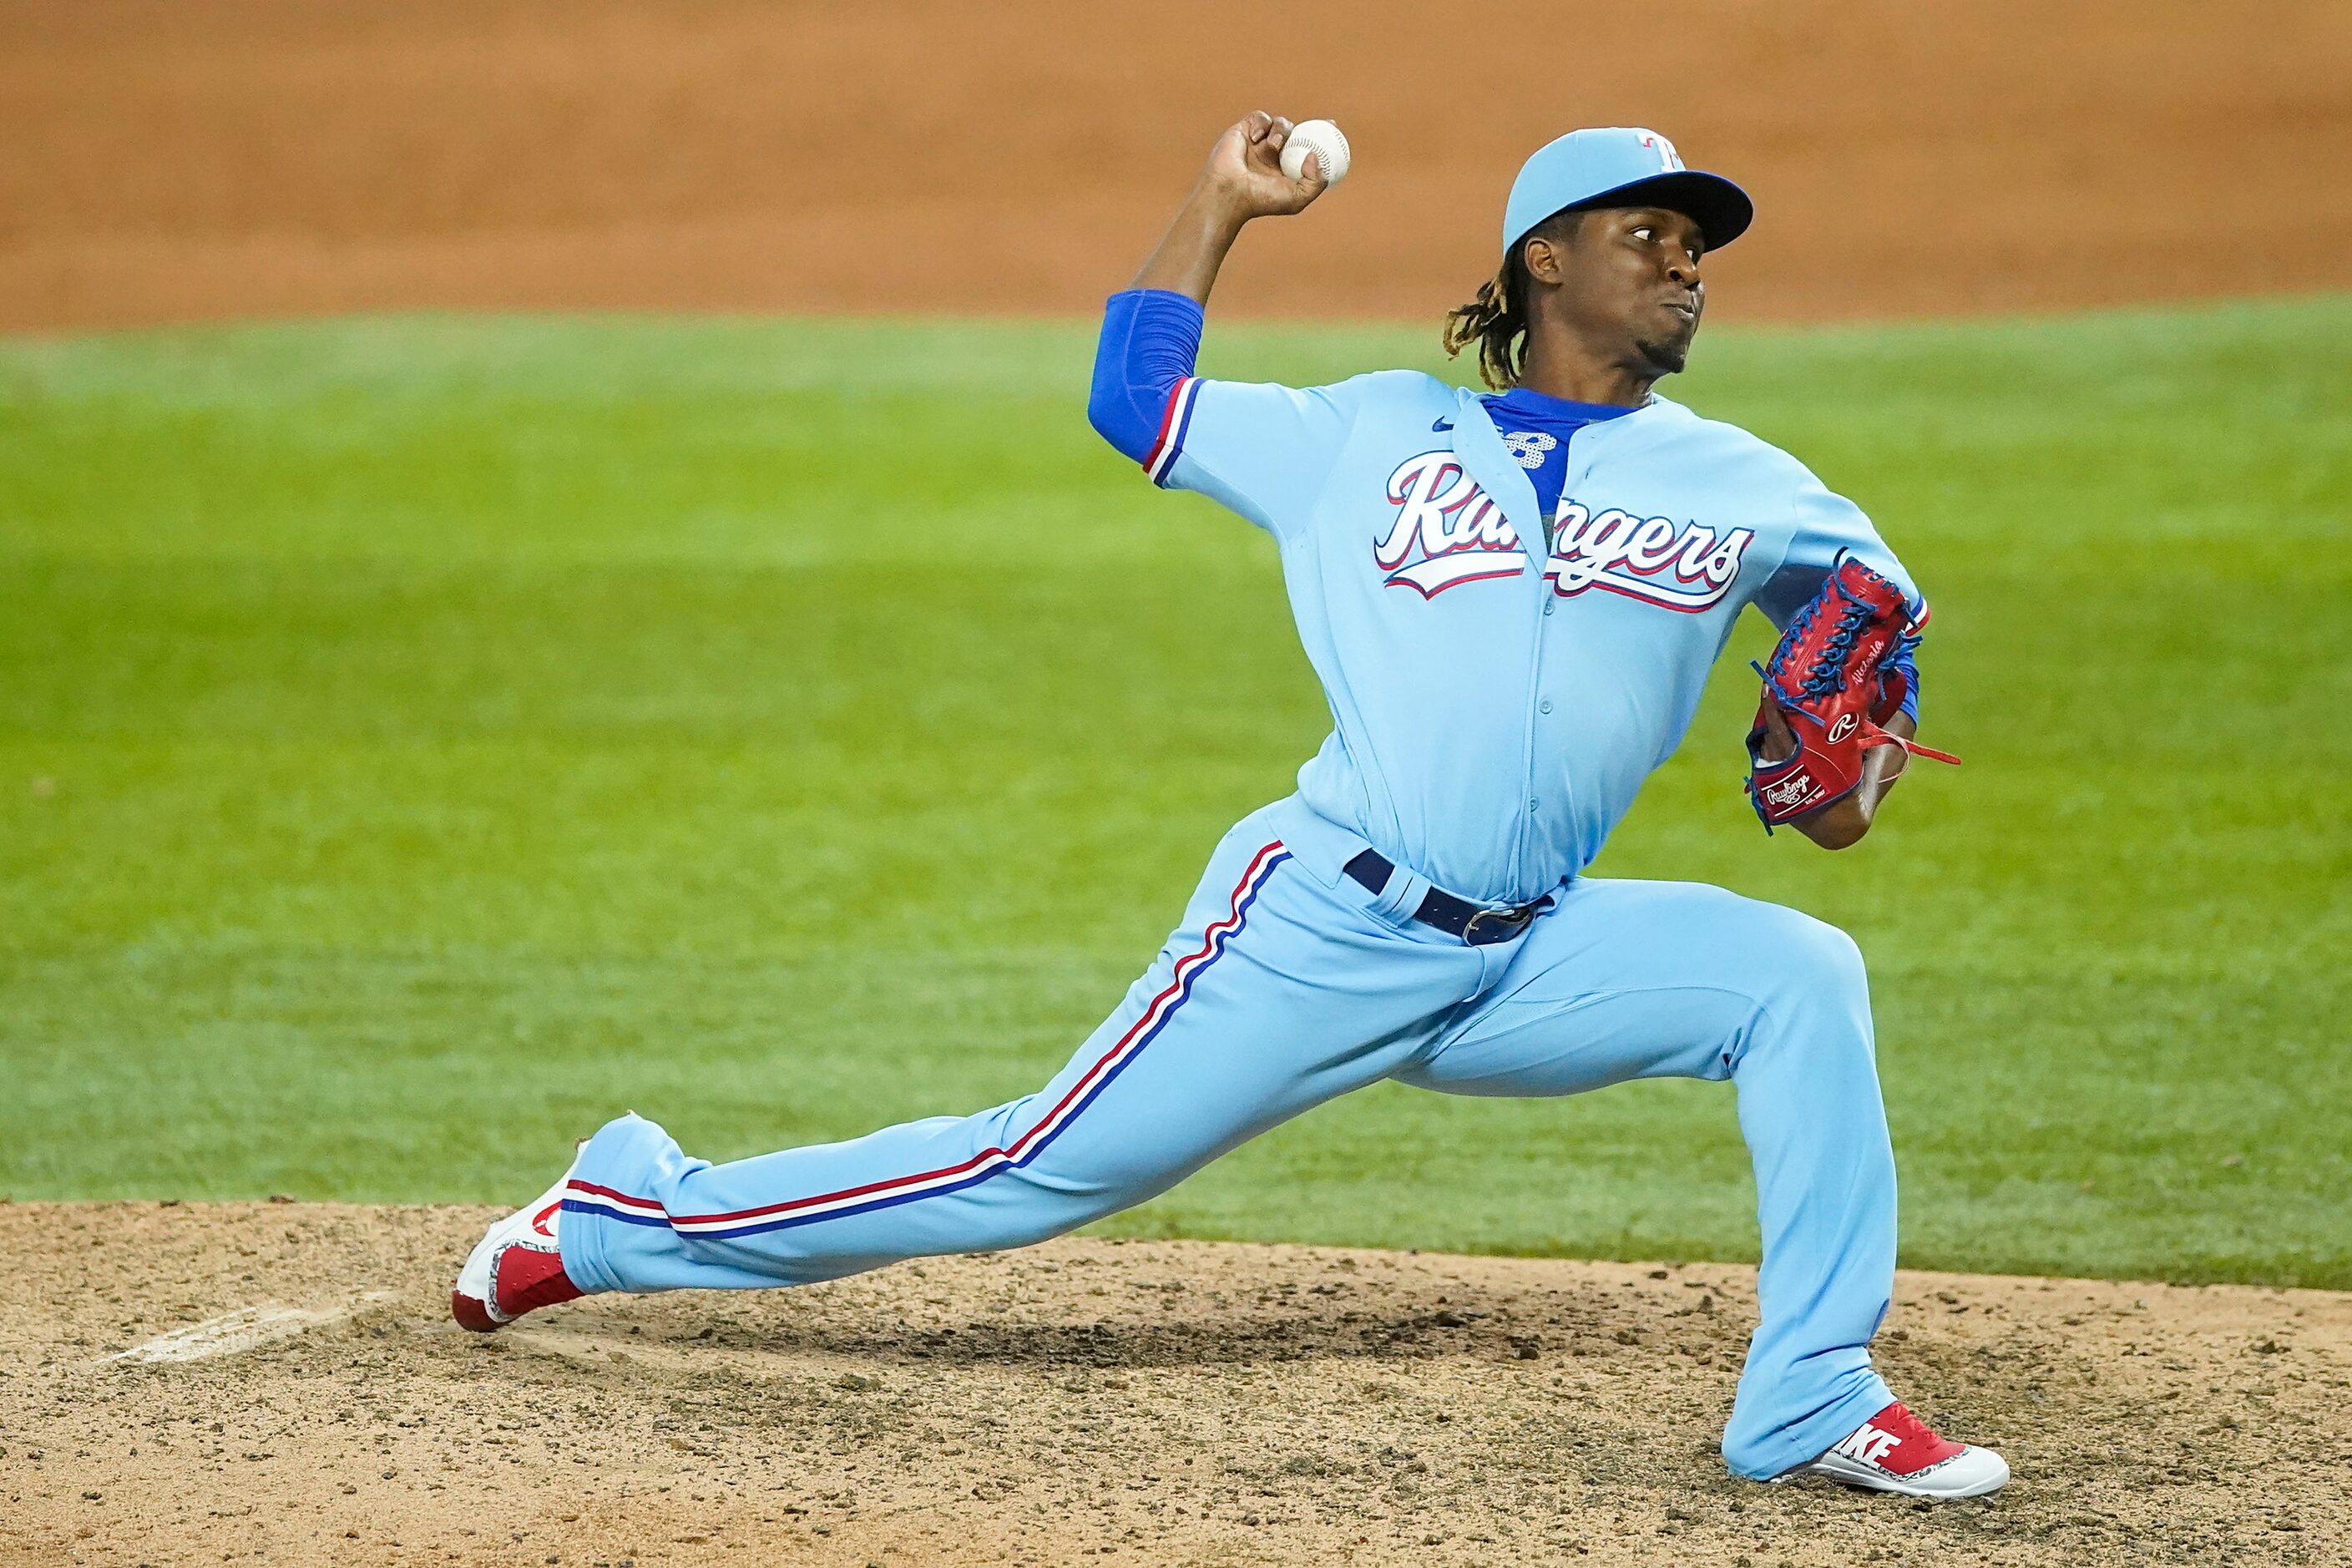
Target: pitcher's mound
281 1384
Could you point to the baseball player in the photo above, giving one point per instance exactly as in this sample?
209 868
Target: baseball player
1513 602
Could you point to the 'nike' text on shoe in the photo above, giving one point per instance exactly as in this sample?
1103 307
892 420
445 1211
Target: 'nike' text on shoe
1895 1451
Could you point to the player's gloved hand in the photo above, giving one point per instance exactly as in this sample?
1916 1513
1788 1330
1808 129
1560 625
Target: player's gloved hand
1836 677
1245 170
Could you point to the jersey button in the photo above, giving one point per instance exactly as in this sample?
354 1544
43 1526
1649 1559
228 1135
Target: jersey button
1544 706
1534 807
1548 605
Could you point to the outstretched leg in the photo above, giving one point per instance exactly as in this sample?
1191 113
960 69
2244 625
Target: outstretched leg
1278 991
1628 980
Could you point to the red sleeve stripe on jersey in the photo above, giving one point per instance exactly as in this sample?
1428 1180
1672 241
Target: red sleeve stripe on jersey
1170 443
588 1197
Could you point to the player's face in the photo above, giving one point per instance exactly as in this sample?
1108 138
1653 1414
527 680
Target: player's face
1630 275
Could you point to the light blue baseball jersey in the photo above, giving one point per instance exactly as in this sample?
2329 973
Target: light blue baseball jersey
1496 706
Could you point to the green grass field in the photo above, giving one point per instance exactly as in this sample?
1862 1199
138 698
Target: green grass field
421 738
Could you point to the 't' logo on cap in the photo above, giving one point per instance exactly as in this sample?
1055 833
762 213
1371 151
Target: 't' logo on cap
1668 159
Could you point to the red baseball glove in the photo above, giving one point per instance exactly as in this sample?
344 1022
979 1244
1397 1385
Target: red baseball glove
1831 679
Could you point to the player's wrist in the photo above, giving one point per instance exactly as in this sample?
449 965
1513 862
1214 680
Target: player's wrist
1218 210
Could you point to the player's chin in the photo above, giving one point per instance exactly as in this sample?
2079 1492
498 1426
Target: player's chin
1669 354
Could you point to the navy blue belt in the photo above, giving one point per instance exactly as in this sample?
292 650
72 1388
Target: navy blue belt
1456 917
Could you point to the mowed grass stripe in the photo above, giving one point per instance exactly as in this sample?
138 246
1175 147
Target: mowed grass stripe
420 737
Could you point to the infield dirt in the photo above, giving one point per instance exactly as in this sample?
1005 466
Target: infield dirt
260 157
1151 1402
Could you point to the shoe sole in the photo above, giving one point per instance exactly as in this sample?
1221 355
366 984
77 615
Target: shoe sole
471 1314
1854 1473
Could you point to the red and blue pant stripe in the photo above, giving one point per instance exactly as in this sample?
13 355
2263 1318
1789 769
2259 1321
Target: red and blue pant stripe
589 1197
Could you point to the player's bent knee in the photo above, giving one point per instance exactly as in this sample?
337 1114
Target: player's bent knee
1770 948
1810 985
1827 957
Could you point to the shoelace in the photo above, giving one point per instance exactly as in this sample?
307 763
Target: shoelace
1901 1422
1826 673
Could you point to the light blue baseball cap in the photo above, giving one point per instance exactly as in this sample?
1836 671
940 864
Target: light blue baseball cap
1617 166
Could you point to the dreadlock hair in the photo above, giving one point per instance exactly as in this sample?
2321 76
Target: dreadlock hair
1497 321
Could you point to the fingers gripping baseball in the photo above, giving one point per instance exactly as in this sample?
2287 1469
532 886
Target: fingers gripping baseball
1246 168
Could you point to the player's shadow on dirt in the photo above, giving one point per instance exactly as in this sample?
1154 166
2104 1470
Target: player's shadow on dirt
1143 1345
1406 1333
1130 1345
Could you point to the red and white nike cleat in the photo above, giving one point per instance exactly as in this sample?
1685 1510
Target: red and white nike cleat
516 1267
1895 1451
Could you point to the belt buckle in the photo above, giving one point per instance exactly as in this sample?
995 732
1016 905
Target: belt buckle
1507 924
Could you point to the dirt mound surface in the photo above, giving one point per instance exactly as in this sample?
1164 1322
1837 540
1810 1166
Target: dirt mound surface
249 157
280 1383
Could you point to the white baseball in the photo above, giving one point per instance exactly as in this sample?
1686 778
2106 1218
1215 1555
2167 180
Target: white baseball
1324 139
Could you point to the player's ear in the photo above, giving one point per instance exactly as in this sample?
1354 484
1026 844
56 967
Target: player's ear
1542 260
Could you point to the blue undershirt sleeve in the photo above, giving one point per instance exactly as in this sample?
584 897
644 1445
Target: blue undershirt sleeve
1150 341
1260 449
1906 666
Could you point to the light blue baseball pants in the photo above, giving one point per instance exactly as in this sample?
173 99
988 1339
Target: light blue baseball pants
1288 983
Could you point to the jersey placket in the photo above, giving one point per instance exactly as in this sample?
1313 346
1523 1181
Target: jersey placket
1575 469
1537 547
1539 779
1523 873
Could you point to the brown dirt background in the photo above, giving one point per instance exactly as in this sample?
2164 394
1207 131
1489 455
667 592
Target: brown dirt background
162 160
1149 1402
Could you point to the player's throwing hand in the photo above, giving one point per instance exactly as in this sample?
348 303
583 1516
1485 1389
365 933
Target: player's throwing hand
1243 180
1245 170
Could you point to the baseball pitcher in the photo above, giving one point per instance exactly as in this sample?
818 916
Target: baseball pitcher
1512 600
